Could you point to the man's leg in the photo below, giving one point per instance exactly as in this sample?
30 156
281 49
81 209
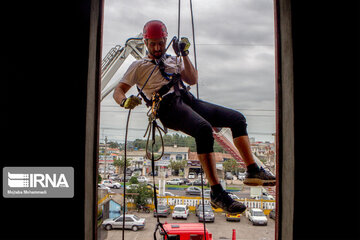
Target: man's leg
219 116
179 116
208 163
219 198
242 143
255 176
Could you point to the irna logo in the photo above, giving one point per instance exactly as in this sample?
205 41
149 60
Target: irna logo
38 182
22 180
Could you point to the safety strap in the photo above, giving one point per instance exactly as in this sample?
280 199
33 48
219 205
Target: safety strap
173 78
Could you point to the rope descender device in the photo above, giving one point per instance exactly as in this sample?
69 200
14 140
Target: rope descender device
156 99
153 126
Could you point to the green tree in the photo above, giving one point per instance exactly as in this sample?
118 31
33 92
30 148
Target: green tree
144 193
120 163
99 178
177 165
133 180
114 145
231 165
171 140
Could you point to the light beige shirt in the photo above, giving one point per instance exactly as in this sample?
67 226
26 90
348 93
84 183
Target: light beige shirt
139 71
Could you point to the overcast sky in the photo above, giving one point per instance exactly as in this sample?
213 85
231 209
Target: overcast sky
235 57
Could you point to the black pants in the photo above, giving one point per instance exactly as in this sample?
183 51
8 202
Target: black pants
196 118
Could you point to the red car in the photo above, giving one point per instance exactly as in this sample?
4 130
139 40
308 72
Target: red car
185 231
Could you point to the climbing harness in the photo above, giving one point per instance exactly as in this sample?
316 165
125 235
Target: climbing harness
154 104
174 79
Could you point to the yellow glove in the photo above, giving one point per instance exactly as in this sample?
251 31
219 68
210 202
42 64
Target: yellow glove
182 47
131 102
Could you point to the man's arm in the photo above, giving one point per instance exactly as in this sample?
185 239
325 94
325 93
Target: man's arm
189 74
119 92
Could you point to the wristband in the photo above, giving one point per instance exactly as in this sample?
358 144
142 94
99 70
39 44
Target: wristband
122 102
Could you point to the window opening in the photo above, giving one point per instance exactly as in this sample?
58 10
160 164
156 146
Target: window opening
248 68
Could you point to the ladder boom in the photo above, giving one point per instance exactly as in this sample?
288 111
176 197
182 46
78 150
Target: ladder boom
116 57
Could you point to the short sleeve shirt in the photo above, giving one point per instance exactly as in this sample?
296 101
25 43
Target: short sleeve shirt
139 71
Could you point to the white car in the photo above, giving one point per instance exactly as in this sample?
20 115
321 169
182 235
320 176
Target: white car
192 175
241 176
111 184
132 222
143 179
256 216
170 194
264 197
180 211
136 173
175 181
102 186
207 193
132 186
233 196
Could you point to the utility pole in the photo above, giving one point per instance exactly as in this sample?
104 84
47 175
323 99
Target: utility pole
105 155
275 157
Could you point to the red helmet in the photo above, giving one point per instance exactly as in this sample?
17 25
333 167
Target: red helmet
154 29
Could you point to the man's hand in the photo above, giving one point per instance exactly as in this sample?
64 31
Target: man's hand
182 47
131 102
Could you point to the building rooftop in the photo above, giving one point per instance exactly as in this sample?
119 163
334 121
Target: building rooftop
175 149
219 157
134 153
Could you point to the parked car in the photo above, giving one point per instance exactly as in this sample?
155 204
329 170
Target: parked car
175 181
169 194
241 176
150 186
256 216
114 176
207 193
136 173
143 179
111 184
180 211
209 213
132 186
151 173
185 180
192 175
102 186
233 217
162 210
199 208
193 191
264 197
197 182
127 178
229 176
233 196
132 222
272 214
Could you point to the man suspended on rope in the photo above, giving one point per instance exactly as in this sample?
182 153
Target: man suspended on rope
180 110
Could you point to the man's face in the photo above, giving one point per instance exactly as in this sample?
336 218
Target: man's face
156 47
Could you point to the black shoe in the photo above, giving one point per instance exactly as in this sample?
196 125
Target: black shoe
226 203
260 178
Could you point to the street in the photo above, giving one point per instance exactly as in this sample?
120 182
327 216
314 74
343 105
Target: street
220 229
244 193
